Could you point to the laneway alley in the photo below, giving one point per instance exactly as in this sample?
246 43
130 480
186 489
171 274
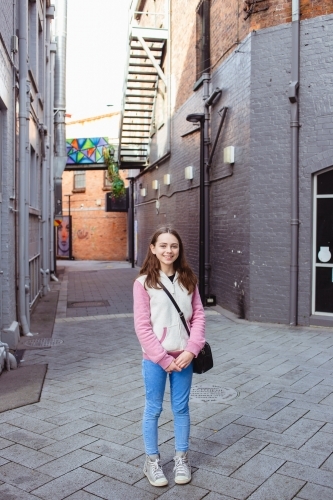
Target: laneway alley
82 441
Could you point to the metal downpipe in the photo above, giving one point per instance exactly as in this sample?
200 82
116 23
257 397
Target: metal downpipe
206 183
51 156
60 101
23 215
294 128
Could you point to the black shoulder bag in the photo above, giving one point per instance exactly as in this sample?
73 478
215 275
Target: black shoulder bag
204 361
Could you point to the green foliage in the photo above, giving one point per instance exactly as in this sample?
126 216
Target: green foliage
117 188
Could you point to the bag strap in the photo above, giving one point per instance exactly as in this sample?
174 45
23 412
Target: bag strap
181 314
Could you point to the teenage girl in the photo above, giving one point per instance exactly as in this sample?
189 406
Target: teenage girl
167 348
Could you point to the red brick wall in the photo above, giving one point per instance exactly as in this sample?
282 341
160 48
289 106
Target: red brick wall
228 28
97 235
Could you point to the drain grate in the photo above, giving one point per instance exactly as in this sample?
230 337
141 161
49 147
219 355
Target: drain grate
205 393
89 303
43 342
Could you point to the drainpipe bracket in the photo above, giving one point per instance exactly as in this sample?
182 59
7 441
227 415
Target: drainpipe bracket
293 91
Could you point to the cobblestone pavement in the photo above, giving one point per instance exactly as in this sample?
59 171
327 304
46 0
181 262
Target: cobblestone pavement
82 441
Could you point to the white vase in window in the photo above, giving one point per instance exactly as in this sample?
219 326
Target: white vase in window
324 254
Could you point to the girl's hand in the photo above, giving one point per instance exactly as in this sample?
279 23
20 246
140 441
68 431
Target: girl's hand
184 359
173 368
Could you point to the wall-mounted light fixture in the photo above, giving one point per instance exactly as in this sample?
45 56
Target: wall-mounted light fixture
154 184
189 173
167 179
229 154
143 192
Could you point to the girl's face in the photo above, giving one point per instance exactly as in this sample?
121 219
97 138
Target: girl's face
166 250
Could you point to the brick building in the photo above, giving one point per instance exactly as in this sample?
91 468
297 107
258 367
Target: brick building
270 215
97 234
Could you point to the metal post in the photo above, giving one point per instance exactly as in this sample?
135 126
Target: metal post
70 227
132 246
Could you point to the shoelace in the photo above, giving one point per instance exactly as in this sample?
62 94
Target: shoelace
157 469
181 465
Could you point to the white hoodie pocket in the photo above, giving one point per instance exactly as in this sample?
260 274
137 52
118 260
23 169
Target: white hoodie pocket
170 339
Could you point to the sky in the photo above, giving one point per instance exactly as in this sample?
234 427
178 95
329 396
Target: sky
96 55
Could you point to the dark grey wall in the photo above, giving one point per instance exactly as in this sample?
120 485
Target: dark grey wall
270 175
316 136
250 210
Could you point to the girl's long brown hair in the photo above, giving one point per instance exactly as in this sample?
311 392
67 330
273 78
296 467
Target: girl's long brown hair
151 265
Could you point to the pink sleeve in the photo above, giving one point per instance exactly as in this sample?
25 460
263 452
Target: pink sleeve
197 325
143 328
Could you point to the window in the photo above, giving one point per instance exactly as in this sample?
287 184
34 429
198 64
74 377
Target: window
79 180
32 40
203 38
322 291
41 58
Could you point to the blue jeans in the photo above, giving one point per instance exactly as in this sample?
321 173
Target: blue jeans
154 378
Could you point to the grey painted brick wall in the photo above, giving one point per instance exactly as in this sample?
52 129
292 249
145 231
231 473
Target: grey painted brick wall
250 210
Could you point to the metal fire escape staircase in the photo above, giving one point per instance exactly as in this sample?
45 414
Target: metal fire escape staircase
143 73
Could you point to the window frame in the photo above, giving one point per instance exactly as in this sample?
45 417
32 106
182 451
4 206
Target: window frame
80 189
316 264
202 44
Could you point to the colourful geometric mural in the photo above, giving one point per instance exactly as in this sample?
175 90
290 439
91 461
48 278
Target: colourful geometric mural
85 151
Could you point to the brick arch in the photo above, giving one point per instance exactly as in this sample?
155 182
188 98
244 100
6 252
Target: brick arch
318 162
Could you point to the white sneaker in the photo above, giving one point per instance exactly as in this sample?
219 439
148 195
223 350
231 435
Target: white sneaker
182 468
154 472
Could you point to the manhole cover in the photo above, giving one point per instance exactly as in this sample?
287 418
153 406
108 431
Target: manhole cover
89 303
43 342
212 393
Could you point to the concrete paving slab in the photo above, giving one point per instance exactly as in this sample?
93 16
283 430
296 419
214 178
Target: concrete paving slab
29 439
69 483
9 492
67 463
258 469
291 455
111 489
311 491
25 456
222 484
113 450
22 477
309 474
60 448
278 487
230 434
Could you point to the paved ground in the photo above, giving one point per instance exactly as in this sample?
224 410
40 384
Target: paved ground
82 441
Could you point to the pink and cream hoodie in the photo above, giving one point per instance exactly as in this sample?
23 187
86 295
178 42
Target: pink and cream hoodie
158 326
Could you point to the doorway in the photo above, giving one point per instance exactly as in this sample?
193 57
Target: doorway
322 286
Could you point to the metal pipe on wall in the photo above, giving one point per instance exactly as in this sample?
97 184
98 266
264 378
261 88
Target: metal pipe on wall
51 156
23 216
294 128
60 101
206 183
202 232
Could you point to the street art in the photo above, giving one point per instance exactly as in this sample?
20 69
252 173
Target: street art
63 238
82 234
85 151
